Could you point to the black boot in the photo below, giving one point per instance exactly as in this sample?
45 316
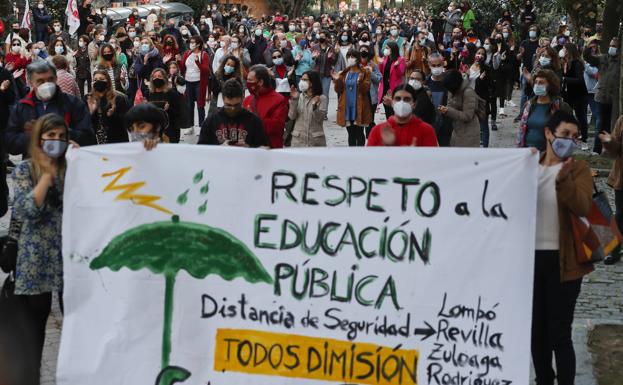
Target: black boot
494 126
613 258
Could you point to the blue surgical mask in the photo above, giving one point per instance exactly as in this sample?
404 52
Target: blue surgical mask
145 48
563 147
532 34
545 61
228 70
54 148
612 51
59 49
139 136
540 90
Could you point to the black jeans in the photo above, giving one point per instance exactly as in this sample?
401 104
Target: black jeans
356 136
578 104
553 304
87 80
605 110
192 96
37 309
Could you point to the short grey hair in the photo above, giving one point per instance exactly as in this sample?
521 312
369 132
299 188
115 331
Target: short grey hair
435 55
39 67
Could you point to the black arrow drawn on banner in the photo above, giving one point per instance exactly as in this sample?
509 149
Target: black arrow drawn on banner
426 332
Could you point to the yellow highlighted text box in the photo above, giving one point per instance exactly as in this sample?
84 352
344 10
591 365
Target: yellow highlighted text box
296 356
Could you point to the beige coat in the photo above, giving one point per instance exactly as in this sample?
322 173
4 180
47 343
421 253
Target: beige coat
462 113
308 129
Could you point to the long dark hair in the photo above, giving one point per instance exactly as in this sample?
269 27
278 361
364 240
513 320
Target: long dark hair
395 52
316 83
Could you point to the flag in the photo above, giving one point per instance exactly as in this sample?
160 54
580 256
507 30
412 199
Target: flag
73 20
26 18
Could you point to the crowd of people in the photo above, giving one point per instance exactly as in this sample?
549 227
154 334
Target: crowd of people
236 80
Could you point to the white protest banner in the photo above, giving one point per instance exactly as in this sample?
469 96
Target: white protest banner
224 266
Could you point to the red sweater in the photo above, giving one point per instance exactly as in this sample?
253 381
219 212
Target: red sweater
414 128
272 109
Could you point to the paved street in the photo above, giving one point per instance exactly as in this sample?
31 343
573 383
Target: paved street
601 300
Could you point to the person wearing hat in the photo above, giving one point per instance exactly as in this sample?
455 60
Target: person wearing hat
146 123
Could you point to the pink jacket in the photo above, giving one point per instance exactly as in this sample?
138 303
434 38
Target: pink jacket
396 75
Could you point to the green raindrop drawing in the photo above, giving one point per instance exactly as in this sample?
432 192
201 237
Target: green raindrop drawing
166 248
205 188
202 209
198 177
183 198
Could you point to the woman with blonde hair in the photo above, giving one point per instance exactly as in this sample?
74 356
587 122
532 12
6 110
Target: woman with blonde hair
165 97
39 206
107 108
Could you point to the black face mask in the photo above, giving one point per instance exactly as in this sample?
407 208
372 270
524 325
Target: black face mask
16 30
158 82
322 40
169 42
232 112
100 85
365 38
107 56
364 54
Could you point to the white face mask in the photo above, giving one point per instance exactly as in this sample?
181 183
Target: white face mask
303 85
562 53
351 62
81 44
436 71
184 32
234 44
402 109
487 47
46 91
612 51
278 61
283 43
211 40
292 28
393 32
16 48
416 84
59 50
192 46
101 37
131 35
222 44
567 33
387 52
40 6
258 32
57 29
136 44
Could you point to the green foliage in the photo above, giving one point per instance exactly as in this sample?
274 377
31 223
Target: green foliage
292 8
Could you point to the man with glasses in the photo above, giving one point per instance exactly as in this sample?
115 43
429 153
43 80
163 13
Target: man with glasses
232 125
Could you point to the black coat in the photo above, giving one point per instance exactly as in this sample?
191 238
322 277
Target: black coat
112 126
42 19
72 109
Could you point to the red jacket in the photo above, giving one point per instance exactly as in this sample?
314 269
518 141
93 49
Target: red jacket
204 70
272 108
422 132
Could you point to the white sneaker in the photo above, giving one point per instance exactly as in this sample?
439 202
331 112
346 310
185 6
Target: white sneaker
501 112
511 103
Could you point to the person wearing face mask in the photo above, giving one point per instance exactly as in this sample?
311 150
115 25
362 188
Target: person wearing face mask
232 125
150 20
38 203
230 68
16 62
565 188
195 66
368 61
452 19
607 90
146 124
527 18
221 52
65 81
439 97
307 111
539 109
58 33
526 55
241 52
109 62
404 128
257 46
46 97
424 108
8 96
265 102
482 82
325 60
418 55
282 74
58 47
83 65
165 97
42 18
170 50
394 37
393 69
172 30
107 108
461 110
352 86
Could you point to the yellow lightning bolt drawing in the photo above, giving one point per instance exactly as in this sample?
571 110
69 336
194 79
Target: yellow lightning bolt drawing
128 191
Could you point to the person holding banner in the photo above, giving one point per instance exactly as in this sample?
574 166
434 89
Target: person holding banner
565 188
146 123
39 204
403 128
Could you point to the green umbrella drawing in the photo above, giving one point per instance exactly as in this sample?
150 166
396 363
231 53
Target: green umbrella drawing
168 247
